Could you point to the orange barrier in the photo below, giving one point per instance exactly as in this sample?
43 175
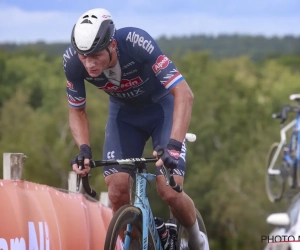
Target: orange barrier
38 217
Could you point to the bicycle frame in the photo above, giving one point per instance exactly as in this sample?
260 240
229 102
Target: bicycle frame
282 143
141 201
295 124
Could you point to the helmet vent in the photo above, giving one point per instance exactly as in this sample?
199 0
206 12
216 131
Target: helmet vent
86 21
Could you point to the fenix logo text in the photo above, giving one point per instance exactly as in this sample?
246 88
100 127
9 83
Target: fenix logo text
136 39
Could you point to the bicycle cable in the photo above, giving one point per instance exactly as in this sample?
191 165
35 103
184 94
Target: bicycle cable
131 189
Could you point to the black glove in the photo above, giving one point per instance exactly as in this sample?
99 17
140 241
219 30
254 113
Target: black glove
85 151
171 153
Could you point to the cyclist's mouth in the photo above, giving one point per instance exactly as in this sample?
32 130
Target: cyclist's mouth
93 71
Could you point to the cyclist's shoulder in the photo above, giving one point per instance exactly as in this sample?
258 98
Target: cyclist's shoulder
135 39
72 65
127 32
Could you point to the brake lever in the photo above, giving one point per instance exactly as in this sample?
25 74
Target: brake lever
169 175
85 180
166 174
80 160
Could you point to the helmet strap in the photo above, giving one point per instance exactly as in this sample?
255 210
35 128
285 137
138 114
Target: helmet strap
110 56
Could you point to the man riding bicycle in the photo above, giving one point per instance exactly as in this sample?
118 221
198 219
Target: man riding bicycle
148 98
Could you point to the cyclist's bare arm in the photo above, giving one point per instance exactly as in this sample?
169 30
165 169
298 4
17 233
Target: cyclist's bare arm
79 125
183 101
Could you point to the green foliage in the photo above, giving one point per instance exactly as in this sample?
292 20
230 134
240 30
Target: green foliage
234 100
221 46
225 46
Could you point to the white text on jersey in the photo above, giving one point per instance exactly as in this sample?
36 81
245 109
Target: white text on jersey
140 41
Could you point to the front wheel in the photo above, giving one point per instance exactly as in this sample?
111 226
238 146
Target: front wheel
275 184
182 239
127 214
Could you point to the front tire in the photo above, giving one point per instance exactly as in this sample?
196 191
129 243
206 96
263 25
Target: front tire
275 184
127 214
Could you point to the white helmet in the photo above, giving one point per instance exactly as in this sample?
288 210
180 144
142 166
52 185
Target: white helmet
93 31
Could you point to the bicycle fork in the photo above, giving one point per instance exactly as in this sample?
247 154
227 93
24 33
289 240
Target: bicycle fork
128 235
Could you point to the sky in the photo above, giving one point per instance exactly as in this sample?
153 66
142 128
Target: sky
23 21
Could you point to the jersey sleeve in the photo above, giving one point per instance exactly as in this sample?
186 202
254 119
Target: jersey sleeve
145 47
75 87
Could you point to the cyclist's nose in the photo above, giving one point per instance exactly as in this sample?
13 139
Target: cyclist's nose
90 63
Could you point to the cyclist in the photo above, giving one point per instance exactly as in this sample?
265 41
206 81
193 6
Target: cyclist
148 98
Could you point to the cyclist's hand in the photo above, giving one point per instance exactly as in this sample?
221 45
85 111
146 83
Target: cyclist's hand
84 171
159 163
170 154
86 153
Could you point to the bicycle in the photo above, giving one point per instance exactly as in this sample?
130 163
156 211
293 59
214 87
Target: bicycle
139 215
284 157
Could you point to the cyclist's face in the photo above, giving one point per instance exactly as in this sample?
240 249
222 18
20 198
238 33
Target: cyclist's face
95 63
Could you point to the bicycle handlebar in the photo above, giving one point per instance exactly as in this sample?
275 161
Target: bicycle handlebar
276 116
130 163
283 115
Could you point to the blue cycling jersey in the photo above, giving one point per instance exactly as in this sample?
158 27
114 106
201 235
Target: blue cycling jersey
147 74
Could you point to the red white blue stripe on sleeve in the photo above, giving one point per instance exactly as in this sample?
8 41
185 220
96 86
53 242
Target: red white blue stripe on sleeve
172 81
76 102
